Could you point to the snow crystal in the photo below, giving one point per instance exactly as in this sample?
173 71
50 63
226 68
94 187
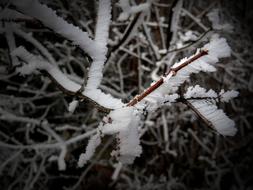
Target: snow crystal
125 123
129 142
127 10
102 31
226 96
50 19
217 117
93 143
199 92
170 98
214 17
72 106
106 100
121 118
218 48
36 63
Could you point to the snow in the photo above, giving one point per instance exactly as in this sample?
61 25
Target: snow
61 162
217 48
93 143
170 98
199 92
102 31
188 36
72 106
50 19
227 96
214 18
121 119
29 38
106 100
35 63
125 123
220 121
128 10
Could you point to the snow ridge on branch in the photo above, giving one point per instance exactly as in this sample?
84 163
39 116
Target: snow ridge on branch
216 49
215 117
50 19
35 63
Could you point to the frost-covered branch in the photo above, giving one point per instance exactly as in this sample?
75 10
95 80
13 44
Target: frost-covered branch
50 19
179 72
124 123
34 63
203 103
101 37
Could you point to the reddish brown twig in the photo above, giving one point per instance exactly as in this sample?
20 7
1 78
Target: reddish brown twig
153 87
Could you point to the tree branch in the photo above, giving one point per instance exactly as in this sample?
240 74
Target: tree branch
161 80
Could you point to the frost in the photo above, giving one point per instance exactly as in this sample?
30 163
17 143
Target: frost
217 117
103 99
121 118
168 99
72 106
50 19
199 92
188 36
129 142
93 143
209 110
124 123
35 63
217 48
227 96
214 18
101 37
127 10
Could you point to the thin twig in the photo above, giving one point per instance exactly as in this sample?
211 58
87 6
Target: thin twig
161 80
207 122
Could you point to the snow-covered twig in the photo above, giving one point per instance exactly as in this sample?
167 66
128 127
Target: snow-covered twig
34 63
101 37
50 19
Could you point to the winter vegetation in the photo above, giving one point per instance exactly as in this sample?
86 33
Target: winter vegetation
124 95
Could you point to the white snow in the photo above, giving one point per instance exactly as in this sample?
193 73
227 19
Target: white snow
217 48
121 119
102 31
106 100
93 143
214 18
35 63
217 117
227 96
125 123
170 98
128 10
199 92
72 106
50 19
